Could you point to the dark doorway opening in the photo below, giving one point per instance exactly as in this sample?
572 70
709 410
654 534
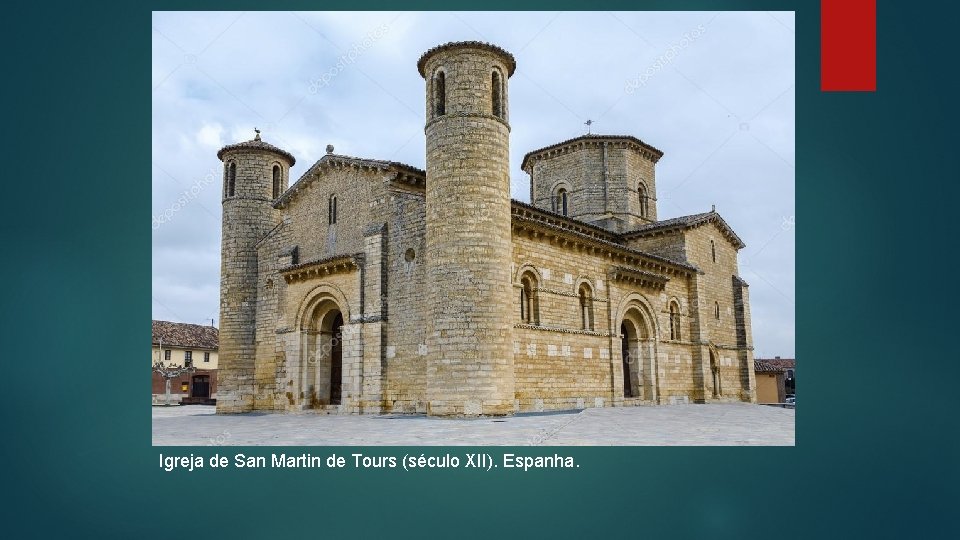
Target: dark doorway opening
200 387
336 361
625 354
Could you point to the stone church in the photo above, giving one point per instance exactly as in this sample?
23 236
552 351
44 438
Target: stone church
370 286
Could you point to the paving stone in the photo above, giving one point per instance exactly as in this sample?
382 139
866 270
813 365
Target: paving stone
733 424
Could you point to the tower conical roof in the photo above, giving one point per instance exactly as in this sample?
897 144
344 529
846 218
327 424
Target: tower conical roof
508 58
257 144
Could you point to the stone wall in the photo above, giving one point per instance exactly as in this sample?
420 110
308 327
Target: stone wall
670 245
559 364
708 249
405 383
307 214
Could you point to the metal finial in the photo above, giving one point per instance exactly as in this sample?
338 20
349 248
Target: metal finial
257 137
588 123
713 208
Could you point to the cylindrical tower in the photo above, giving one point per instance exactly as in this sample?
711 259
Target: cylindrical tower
470 367
254 174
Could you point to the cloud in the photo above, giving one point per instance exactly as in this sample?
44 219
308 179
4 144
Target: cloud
210 136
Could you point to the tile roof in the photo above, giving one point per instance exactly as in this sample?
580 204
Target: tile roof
174 334
592 138
511 62
312 173
688 222
575 227
256 144
774 364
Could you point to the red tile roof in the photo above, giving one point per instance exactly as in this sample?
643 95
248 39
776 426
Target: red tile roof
195 336
774 364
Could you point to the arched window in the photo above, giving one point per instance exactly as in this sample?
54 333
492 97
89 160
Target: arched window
642 194
561 202
440 93
586 307
332 210
716 310
674 321
529 304
231 179
713 250
496 94
276 181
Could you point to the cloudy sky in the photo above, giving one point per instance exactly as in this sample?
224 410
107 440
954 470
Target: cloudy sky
713 90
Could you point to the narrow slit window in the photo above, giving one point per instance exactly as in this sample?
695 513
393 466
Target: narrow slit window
440 93
232 179
497 94
642 194
561 202
276 181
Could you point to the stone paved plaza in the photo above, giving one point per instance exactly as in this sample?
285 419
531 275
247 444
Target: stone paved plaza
684 425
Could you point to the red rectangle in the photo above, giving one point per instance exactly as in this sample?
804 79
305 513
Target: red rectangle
848 45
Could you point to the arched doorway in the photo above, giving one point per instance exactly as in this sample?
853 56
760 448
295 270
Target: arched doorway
625 341
637 353
336 360
321 381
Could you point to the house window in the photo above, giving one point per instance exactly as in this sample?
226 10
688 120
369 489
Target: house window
332 210
206 357
440 93
713 250
529 304
674 321
586 307
642 194
187 358
276 181
561 202
497 94
166 355
231 179
716 308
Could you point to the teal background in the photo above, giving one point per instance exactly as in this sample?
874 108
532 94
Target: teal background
876 450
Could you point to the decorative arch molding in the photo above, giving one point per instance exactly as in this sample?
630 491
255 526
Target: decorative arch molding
639 301
675 300
558 185
316 295
581 280
524 268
